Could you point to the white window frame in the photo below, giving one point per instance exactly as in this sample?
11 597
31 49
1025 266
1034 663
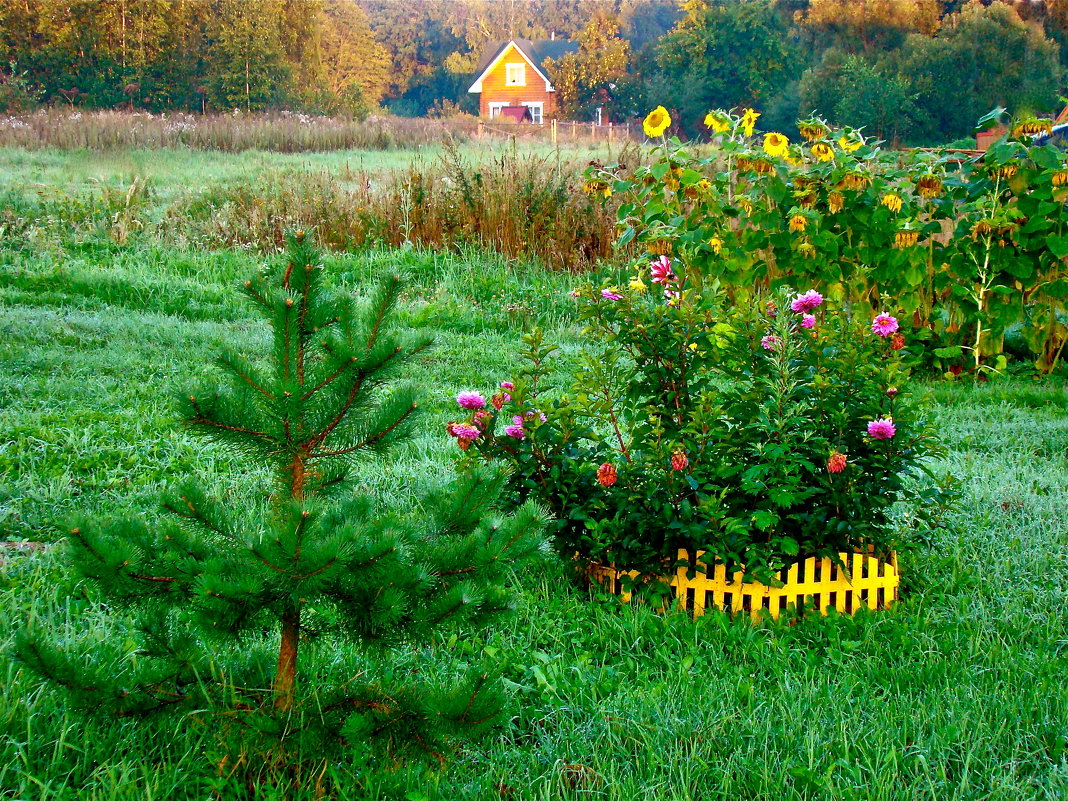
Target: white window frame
495 109
536 106
510 78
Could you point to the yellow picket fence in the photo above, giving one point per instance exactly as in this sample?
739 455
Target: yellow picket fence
818 583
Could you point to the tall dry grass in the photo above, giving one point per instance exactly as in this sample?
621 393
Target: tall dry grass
281 132
522 205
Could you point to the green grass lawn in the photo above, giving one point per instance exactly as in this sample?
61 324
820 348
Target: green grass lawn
958 692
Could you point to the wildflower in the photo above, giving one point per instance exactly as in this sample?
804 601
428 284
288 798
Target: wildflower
929 186
884 325
606 475
471 400
835 202
897 342
679 461
662 272
775 144
850 145
808 321
657 122
574 293
716 244
906 238
812 129
608 294
717 121
806 302
770 342
836 463
883 428
823 151
892 201
514 431
637 284
771 309
693 346
465 431
798 223
749 118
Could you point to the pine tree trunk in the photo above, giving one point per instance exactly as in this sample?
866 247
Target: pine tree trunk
286 675
287 660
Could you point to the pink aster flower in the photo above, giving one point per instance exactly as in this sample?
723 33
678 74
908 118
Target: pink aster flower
609 295
884 325
807 302
662 272
515 431
770 342
883 428
464 431
808 321
471 400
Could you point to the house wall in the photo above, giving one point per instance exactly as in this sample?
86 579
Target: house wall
494 89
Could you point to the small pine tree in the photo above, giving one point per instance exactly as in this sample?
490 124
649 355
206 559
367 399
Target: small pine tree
304 560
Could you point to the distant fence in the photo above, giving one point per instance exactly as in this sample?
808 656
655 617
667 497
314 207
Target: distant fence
555 131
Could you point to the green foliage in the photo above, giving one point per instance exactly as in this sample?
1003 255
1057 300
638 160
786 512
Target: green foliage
740 433
293 553
960 252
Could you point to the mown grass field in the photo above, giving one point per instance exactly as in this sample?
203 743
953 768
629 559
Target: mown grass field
958 692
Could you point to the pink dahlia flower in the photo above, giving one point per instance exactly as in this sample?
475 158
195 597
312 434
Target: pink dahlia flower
807 302
808 321
471 400
464 431
883 428
515 431
662 272
884 325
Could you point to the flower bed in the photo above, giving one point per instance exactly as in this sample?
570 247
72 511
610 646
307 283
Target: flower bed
822 583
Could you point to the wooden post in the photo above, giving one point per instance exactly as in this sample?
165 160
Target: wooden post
481 125
553 130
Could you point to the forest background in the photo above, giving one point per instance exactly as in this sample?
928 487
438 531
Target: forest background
911 71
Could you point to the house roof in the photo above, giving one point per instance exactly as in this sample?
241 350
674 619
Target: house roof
515 113
535 52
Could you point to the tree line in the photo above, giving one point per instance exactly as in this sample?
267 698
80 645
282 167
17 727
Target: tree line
910 70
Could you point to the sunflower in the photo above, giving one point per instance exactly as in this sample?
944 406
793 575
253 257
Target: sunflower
763 166
798 223
823 151
929 185
718 121
749 118
657 122
812 129
905 238
1060 178
659 247
1005 172
805 199
716 244
850 145
854 180
745 204
775 144
891 201
807 249
835 202
1031 127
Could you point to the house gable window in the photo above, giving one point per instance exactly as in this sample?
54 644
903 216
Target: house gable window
515 74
